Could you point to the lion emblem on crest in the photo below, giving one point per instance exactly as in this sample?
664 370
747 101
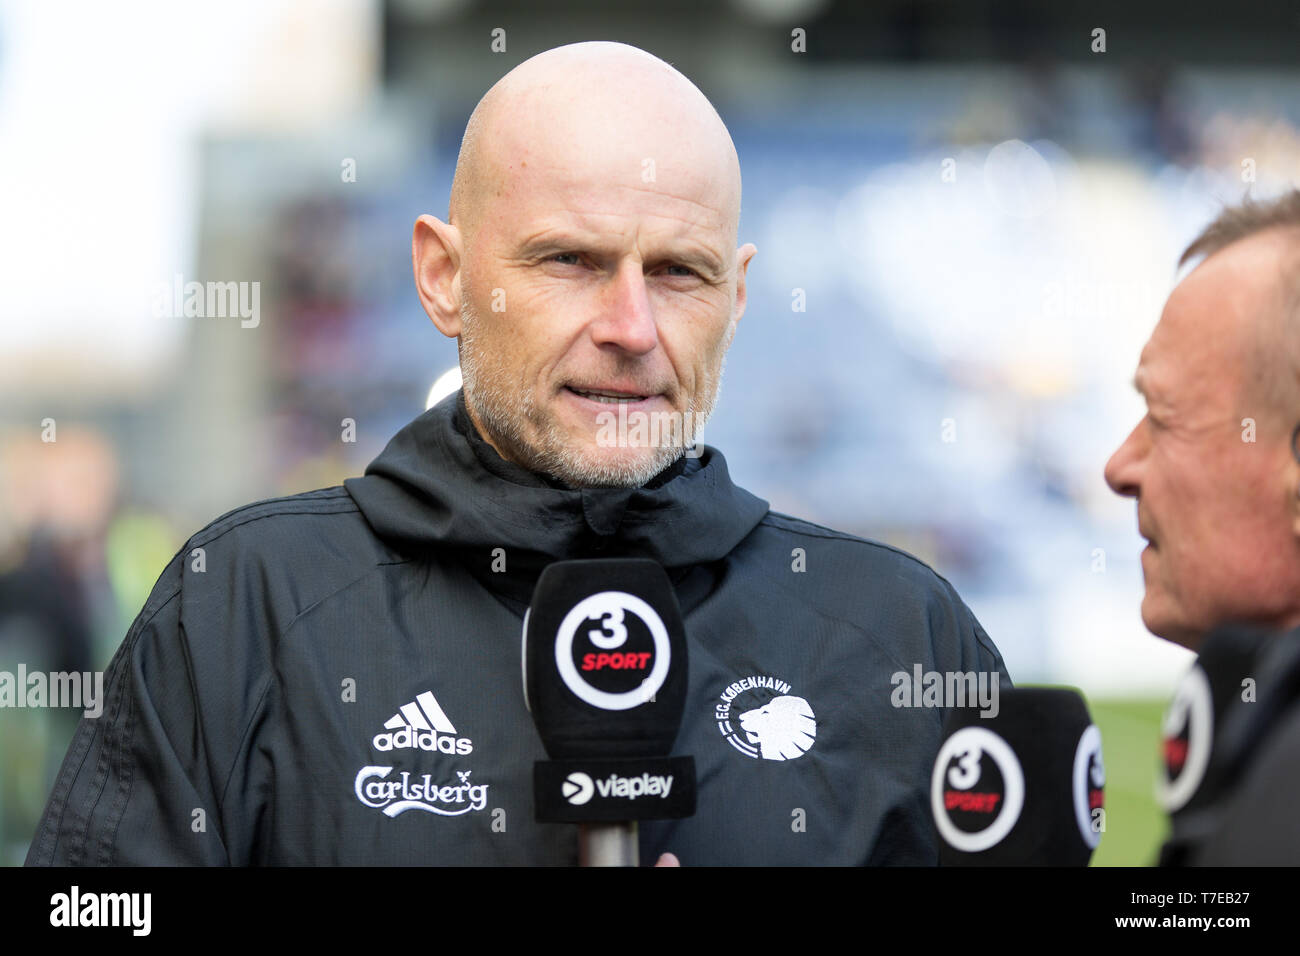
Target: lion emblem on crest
783 728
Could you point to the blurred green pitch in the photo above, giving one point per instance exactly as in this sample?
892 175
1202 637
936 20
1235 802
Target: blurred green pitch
1130 746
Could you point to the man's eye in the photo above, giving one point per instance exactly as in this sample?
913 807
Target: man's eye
565 255
684 272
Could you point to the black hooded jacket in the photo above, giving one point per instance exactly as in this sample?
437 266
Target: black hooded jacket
334 677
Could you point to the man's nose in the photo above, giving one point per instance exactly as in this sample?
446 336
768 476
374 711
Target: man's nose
1121 470
627 318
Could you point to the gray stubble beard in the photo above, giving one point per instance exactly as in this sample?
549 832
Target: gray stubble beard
504 411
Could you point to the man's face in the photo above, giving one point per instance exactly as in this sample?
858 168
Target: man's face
1215 507
599 276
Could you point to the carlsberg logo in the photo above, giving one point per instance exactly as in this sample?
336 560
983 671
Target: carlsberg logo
633 787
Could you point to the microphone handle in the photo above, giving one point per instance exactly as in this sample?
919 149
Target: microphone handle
608 844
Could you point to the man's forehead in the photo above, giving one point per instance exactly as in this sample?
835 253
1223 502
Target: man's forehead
1177 360
1234 287
583 167
612 222
1207 328
602 207
603 202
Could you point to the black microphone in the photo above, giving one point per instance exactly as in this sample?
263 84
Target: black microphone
1220 719
604 654
1258 751
1025 787
1189 785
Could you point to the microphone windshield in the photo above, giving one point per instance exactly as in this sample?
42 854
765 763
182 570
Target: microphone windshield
1024 787
605 659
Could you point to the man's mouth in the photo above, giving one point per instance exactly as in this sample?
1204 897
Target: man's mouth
606 396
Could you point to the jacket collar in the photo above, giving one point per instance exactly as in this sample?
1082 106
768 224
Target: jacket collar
438 485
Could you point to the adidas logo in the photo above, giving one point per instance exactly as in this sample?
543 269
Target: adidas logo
422 724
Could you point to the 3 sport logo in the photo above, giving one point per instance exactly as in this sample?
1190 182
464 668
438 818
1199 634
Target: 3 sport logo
1188 728
977 790
1089 785
612 651
762 719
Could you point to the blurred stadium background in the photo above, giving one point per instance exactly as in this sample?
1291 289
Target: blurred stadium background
981 213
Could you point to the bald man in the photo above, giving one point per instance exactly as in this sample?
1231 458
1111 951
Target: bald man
339 682
590 261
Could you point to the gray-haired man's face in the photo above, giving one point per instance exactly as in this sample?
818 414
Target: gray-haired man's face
1210 464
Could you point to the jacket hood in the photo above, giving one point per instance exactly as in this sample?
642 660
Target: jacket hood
439 485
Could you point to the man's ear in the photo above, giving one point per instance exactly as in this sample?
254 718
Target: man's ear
435 258
743 255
